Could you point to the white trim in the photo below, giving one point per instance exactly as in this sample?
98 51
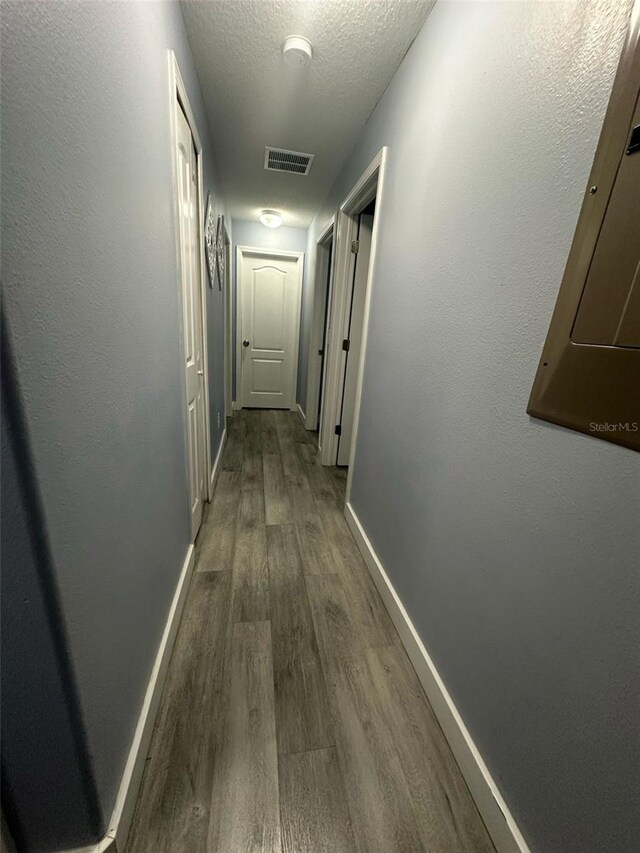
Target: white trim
228 328
236 406
495 813
303 417
267 253
370 185
327 230
323 278
116 838
203 316
178 94
105 845
216 465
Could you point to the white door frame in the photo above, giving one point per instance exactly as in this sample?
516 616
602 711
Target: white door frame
370 185
178 99
323 280
228 328
267 253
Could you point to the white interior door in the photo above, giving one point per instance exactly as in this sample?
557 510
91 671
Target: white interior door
353 333
270 288
190 271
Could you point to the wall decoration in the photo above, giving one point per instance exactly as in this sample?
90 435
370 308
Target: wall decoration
220 251
210 240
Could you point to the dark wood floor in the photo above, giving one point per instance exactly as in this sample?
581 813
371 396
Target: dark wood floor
292 719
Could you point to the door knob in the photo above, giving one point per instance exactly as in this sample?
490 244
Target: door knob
201 373
245 343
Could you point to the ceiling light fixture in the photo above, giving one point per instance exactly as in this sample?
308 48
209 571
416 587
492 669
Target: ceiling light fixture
271 218
297 51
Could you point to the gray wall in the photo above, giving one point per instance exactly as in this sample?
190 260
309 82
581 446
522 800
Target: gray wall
258 236
36 679
91 294
513 543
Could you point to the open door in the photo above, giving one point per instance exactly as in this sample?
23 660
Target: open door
353 334
357 226
322 349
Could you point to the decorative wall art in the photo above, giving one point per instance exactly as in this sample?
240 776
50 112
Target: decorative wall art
220 251
210 240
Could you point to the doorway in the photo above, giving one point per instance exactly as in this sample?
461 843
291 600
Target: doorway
354 330
323 344
268 326
188 194
357 224
228 326
320 321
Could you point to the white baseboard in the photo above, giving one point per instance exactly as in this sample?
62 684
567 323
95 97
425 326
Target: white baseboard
494 811
236 406
216 465
116 838
107 845
301 413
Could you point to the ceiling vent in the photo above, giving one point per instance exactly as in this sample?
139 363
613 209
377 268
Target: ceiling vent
280 160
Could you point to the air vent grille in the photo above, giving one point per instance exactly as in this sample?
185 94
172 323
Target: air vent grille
280 160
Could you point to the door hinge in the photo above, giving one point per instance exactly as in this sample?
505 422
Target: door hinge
320 352
355 245
338 430
346 343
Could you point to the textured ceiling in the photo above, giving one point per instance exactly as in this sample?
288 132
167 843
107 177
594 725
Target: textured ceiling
254 99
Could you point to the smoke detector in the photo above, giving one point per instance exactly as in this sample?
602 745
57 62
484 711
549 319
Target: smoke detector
297 51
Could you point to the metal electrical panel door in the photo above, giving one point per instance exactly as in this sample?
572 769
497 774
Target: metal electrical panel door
588 378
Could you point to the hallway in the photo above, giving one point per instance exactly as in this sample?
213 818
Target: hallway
291 717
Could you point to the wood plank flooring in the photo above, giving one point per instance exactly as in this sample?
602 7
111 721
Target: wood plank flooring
292 720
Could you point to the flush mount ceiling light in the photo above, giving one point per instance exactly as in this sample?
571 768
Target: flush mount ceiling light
297 51
271 218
